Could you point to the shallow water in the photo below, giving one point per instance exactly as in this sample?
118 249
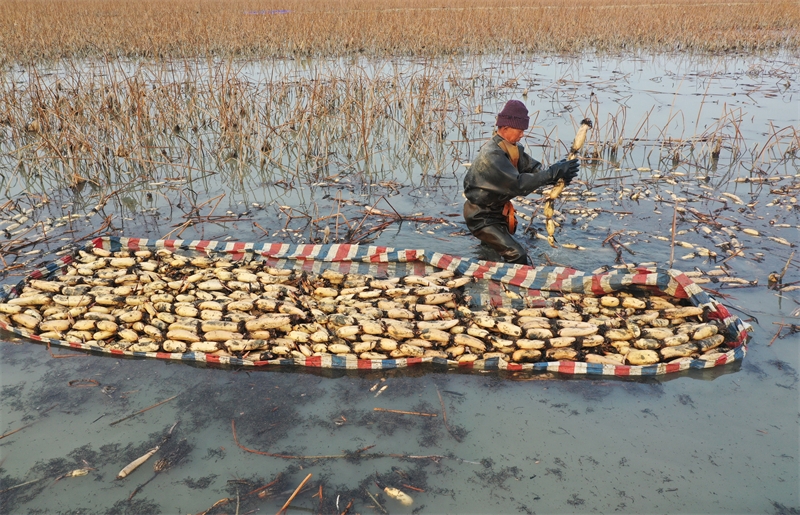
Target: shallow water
695 443
719 441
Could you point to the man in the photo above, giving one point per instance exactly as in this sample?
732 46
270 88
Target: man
501 171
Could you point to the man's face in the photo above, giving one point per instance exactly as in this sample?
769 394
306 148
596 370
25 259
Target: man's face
511 134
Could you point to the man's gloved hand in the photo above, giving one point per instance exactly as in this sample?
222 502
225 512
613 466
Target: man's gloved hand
564 169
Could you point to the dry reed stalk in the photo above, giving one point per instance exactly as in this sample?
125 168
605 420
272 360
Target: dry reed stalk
673 234
142 410
401 412
9 433
294 494
358 452
20 485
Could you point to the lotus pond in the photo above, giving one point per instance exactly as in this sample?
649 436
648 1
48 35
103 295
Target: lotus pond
373 152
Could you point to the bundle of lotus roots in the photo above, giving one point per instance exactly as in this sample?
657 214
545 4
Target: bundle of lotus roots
162 301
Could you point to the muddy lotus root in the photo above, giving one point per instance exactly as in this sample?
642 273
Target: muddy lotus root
160 301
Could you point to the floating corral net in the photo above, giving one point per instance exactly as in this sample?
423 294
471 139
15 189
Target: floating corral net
367 307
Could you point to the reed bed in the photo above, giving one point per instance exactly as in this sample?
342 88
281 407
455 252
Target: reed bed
119 125
115 125
35 30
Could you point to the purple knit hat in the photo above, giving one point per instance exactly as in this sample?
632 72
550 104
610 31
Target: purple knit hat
514 114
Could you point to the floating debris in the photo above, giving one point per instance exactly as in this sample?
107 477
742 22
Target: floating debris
396 494
74 473
130 467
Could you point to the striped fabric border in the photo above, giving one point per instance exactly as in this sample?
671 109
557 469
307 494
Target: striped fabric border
528 282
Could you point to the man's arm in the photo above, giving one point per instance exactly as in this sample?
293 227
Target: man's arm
566 170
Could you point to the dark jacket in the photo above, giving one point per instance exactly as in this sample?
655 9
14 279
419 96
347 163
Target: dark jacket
492 181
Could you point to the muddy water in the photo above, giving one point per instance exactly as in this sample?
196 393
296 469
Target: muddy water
718 441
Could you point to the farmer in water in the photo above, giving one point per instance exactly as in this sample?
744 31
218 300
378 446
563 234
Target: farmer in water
501 171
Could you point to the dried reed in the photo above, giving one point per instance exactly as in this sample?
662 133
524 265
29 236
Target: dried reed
180 129
47 29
